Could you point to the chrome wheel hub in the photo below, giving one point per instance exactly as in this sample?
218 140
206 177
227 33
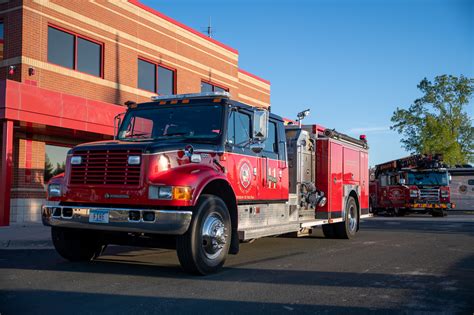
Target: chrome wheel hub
352 218
214 236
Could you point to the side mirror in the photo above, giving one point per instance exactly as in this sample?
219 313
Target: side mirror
260 125
402 181
256 147
117 123
450 179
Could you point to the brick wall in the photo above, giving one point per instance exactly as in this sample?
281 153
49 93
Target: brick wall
28 168
12 17
128 32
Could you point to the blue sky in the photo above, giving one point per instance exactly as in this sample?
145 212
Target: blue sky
351 62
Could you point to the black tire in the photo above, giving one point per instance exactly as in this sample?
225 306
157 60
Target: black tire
203 255
348 228
328 230
439 213
398 212
77 245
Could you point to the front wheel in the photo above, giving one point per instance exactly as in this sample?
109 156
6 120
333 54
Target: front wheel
77 245
348 228
203 248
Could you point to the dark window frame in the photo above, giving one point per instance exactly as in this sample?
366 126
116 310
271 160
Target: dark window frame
214 85
157 65
76 36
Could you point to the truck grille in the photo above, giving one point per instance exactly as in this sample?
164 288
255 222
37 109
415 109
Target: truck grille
105 167
429 194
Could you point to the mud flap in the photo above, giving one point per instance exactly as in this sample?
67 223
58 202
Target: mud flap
234 243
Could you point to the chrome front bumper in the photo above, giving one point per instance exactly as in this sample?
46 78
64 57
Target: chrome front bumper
175 222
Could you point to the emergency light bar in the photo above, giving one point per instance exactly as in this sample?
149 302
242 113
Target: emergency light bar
223 94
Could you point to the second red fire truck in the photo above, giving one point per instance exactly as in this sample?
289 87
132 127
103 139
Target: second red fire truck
201 173
418 183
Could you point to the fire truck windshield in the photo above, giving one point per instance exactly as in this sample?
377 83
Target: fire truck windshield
186 123
428 178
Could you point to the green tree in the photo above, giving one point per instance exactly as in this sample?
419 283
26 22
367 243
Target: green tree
438 122
59 168
48 169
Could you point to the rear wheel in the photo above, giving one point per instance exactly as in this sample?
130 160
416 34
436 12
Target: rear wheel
203 248
398 212
439 213
76 245
348 228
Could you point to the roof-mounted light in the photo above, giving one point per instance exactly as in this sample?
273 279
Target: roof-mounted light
221 94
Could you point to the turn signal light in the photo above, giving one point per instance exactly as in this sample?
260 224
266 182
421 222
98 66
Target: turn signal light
182 193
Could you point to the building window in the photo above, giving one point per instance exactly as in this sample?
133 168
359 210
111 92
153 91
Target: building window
146 76
1 40
208 87
165 81
156 78
74 52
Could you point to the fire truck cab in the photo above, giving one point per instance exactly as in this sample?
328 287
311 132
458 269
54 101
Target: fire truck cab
418 183
201 173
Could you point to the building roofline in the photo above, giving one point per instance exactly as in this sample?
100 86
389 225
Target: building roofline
254 76
175 22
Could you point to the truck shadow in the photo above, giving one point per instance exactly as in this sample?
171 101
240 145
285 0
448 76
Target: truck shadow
48 260
61 302
455 286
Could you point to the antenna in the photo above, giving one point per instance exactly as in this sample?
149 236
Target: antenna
209 29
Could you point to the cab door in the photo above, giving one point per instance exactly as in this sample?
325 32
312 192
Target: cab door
270 179
242 163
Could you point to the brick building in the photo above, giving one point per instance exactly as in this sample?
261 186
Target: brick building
67 68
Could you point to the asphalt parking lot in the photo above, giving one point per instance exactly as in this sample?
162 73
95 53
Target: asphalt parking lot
409 264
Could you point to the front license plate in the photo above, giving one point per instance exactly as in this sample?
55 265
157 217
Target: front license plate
99 216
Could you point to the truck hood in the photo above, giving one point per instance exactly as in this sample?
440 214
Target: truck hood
145 146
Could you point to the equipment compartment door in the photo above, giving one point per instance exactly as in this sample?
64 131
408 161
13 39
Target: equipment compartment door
335 177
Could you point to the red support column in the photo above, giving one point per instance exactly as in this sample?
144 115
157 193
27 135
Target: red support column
6 172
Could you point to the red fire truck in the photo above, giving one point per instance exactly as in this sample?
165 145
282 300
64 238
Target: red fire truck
418 183
201 173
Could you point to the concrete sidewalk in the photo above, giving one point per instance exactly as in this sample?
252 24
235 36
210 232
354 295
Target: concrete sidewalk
25 236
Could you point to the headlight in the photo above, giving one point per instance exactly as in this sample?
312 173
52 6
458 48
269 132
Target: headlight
54 190
134 160
160 192
76 160
170 192
444 193
413 193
